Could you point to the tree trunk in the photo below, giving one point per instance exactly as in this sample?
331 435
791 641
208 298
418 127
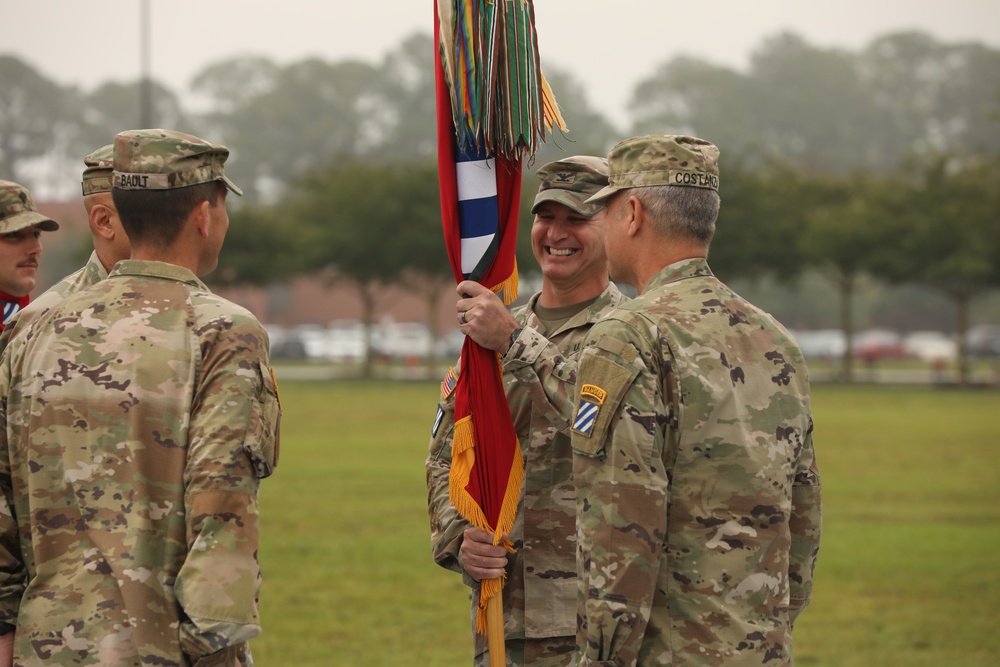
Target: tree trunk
433 299
368 318
962 299
846 284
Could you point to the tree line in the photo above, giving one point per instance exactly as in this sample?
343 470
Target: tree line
878 163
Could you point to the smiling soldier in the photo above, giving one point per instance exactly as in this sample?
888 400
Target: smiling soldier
539 597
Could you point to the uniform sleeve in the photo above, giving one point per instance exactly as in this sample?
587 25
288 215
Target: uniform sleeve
232 444
550 375
12 570
805 526
11 329
621 489
447 525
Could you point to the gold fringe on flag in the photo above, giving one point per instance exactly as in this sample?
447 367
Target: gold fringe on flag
508 287
462 459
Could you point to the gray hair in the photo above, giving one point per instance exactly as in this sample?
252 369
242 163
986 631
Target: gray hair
680 212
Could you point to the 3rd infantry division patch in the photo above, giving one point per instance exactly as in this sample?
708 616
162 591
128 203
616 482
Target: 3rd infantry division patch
591 399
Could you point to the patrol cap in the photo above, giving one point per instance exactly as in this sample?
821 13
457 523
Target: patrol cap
97 175
17 210
571 181
166 160
662 159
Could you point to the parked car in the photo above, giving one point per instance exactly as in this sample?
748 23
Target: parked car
877 344
285 344
313 337
984 341
448 347
930 346
402 340
821 344
345 341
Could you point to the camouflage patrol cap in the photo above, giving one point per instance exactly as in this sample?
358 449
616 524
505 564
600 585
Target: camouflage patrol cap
165 160
571 181
97 175
17 210
662 159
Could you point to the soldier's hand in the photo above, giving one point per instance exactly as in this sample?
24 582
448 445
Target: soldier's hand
480 558
483 317
7 649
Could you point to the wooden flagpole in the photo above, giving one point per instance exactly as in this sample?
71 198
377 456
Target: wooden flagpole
494 631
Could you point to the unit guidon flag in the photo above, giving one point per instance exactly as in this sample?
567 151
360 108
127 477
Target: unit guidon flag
493 106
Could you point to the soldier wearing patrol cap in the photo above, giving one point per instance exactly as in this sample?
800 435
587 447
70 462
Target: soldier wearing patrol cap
539 595
110 240
21 226
697 491
157 420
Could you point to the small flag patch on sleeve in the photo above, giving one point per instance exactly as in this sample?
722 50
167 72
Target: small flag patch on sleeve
449 383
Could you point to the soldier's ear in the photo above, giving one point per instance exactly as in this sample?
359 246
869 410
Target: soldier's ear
633 215
100 221
200 218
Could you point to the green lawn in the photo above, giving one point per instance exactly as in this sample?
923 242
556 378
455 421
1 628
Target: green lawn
908 572
348 577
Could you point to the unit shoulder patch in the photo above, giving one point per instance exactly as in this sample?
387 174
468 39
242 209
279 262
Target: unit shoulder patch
593 392
603 383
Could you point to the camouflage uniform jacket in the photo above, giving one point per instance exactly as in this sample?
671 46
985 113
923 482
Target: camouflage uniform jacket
138 417
698 496
540 589
93 272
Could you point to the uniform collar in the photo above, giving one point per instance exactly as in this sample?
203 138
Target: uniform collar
611 297
95 269
149 268
695 267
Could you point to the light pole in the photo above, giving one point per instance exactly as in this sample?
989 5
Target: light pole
146 85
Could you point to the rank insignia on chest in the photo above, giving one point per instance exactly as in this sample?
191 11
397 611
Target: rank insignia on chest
449 383
591 399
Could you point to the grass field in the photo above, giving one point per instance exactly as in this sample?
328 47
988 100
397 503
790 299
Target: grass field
908 575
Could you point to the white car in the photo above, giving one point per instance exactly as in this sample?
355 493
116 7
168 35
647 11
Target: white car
930 346
821 344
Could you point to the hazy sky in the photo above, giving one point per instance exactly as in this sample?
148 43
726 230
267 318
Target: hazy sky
607 45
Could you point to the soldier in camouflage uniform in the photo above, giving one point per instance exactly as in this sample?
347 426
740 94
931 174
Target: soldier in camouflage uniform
698 495
21 226
539 596
110 240
138 419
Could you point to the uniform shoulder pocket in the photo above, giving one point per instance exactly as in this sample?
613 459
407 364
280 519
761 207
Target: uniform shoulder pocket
262 442
603 379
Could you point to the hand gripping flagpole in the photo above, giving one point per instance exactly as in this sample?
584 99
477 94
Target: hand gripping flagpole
493 106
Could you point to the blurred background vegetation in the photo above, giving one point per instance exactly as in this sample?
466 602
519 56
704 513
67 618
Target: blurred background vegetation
860 189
